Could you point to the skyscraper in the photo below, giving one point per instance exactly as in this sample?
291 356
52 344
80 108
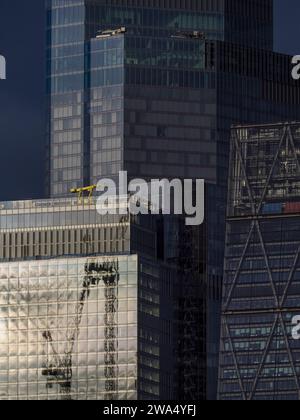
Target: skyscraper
92 307
259 355
73 24
159 101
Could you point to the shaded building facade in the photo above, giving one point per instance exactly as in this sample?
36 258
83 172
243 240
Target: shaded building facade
259 358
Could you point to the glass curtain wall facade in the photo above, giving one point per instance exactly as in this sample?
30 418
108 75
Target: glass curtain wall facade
106 91
70 27
67 149
64 309
95 307
259 356
246 22
57 339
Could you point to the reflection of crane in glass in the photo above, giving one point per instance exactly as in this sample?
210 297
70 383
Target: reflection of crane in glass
58 370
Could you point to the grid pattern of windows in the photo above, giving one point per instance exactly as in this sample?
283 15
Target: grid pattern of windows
259 357
154 21
64 227
247 22
68 329
52 251
66 102
106 107
55 243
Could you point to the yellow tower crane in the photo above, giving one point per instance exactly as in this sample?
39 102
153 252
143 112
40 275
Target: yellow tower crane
80 192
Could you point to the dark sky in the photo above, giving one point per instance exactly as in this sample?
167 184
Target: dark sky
21 99
22 94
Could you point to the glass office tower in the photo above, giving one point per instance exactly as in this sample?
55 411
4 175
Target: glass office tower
259 357
161 101
95 307
70 27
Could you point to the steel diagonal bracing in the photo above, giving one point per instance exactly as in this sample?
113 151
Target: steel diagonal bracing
235 359
267 264
272 170
242 259
280 298
261 365
290 279
277 309
296 258
293 147
286 132
255 223
238 149
236 276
